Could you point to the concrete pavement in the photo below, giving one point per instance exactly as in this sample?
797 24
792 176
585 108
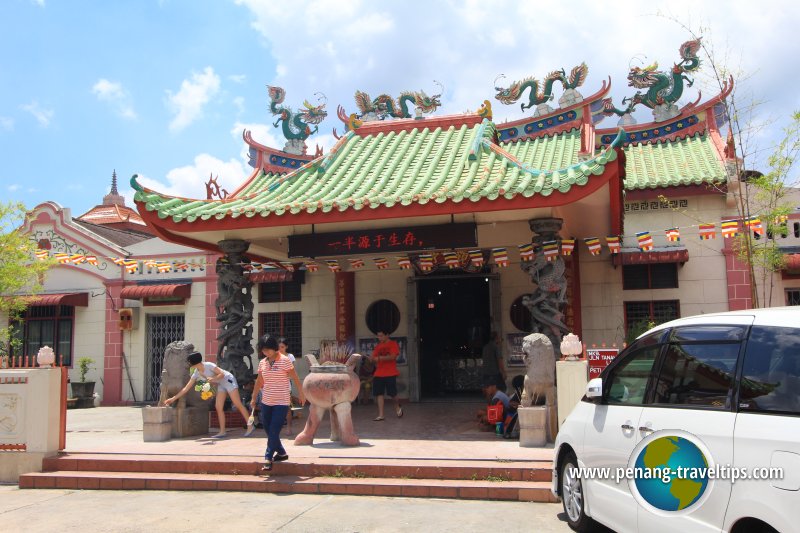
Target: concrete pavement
90 511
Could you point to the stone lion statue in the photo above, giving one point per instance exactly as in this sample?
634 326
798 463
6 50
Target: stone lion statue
540 363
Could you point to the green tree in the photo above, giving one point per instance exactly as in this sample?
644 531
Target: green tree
758 186
21 274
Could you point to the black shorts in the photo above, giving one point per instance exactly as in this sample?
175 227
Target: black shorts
384 385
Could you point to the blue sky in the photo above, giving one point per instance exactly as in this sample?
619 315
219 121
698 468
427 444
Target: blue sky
164 88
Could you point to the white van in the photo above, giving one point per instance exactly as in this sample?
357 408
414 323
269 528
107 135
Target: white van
724 388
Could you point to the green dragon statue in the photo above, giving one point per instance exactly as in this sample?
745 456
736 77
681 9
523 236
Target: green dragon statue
663 89
385 106
544 94
296 125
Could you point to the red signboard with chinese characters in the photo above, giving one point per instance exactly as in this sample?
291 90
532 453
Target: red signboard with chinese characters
599 358
345 306
386 240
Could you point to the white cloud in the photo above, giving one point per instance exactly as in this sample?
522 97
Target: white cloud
188 103
42 116
14 188
6 123
238 78
113 93
39 3
189 181
238 102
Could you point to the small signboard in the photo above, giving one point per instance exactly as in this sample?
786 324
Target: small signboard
599 358
366 346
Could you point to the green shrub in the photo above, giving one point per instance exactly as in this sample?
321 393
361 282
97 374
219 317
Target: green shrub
84 363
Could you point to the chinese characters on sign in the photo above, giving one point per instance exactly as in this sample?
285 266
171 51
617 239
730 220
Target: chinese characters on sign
385 240
599 358
516 357
345 306
654 205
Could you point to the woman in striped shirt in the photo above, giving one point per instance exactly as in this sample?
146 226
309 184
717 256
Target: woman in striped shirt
274 372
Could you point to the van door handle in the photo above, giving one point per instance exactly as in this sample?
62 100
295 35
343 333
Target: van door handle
645 429
627 427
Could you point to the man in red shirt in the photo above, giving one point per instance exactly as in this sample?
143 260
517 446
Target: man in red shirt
384 381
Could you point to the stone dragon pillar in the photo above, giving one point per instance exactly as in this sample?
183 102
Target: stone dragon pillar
548 300
235 312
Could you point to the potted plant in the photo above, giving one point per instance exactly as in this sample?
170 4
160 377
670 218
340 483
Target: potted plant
83 389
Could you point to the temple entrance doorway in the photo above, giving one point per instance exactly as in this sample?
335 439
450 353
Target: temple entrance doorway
454 317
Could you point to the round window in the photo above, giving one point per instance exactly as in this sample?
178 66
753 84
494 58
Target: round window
520 315
383 315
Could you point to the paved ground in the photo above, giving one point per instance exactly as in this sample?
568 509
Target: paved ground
154 511
445 431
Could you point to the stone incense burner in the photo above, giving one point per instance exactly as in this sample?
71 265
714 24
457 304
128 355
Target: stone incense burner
330 387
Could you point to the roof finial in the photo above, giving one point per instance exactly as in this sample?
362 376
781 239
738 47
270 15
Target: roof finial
113 197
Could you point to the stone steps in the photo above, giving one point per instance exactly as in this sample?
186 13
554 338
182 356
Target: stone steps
461 479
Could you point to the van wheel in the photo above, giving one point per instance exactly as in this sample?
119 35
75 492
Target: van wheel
572 495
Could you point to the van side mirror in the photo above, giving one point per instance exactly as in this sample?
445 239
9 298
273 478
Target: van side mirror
594 389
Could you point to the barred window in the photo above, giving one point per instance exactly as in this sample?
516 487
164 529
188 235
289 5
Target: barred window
289 325
638 315
793 297
44 325
654 276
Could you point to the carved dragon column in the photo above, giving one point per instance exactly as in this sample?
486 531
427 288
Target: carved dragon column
548 300
235 312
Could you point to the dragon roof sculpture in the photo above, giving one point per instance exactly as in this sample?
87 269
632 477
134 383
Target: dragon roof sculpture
296 124
663 88
385 106
541 94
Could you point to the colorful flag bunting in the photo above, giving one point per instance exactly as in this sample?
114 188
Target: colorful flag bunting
150 263
645 241
130 266
614 245
754 223
163 267
526 251
333 265
356 263
476 258
255 266
180 265
41 255
567 245
730 228
426 261
550 250
673 235
451 259
311 266
404 262
593 243
288 265
382 263
92 260
707 231
500 256
62 258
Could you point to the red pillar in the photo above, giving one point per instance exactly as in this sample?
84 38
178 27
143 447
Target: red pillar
738 276
112 357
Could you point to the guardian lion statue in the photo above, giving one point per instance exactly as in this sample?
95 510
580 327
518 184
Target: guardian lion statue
540 363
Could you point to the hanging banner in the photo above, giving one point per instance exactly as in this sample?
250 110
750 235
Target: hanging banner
614 245
500 256
550 249
476 257
345 307
730 228
386 240
673 235
707 231
593 243
526 251
567 245
381 262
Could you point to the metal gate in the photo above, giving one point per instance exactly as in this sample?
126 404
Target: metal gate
161 330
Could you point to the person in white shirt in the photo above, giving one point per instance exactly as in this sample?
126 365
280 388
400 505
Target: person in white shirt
226 385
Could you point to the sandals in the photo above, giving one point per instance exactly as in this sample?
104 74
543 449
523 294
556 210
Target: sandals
250 429
399 412
378 419
218 436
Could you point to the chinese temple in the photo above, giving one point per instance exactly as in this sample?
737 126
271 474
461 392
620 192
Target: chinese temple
439 229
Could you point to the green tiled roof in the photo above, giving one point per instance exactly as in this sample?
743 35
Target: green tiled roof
261 181
547 152
690 161
413 166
